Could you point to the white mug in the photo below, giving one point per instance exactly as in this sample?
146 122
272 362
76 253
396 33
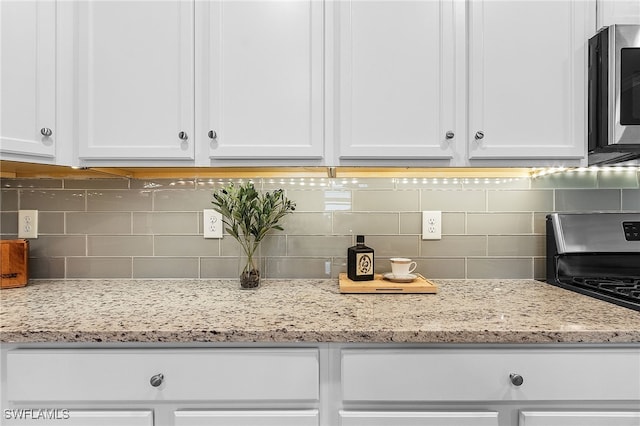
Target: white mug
401 266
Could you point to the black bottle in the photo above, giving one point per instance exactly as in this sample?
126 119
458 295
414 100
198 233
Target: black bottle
360 261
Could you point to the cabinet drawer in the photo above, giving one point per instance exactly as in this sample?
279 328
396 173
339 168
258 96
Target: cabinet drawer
418 418
187 374
484 374
579 418
247 418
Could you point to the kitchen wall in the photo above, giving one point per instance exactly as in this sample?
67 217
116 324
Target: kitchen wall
121 228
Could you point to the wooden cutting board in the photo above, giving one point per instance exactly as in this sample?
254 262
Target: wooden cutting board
380 285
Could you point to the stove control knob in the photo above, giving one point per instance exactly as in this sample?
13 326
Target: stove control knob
516 379
156 380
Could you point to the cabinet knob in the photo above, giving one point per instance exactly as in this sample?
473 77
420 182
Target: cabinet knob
479 135
516 379
183 136
212 134
450 134
45 131
156 380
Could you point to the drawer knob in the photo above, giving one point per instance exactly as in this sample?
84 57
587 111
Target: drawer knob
450 135
212 134
479 135
46 132
516 379
183 136
156 380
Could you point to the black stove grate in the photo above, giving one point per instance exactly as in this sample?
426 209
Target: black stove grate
622 291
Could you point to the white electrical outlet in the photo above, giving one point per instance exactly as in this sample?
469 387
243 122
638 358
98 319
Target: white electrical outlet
212 224
432 225
27 223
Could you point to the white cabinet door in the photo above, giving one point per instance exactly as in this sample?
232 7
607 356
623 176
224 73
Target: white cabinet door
260 83
135 79
527 78
28 82
579 418
396 80
51 417
247 418
419 418
618 12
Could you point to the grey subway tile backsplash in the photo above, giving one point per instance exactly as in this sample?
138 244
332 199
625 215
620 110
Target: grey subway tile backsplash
152 228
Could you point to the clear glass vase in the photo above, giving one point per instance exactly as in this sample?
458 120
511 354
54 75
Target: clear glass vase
250 270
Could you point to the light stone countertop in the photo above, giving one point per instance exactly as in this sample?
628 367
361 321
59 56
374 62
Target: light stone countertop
307 310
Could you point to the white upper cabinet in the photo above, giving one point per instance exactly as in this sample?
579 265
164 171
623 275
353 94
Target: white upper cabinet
527 79
260 79
28 127
395 80
135 82
618 12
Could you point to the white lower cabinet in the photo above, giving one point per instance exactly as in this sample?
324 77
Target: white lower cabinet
418 418
579 418
67 417
247 418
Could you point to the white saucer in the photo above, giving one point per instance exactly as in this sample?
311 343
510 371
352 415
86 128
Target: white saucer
400 278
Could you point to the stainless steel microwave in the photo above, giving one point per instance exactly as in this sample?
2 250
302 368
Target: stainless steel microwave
614 95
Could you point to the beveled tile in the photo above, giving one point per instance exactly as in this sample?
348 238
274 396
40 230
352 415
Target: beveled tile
618 179
453 201
181 200
162 184
587 179
534 200
112 183
540 268
46 267
287 184
166 223
540 223
496 183
392 245
365 223
219 267
363 184
8 200
98 223
307 223
499 223
9 223
401 201
452 223
411 223
31 183
429 183
119 200
50 222
454 246
585 200
185 245
320 201
57 245
52 199
120 245
312 245
631 199
295 267
517 245
165 267
497 268
274 244
99 267
440 268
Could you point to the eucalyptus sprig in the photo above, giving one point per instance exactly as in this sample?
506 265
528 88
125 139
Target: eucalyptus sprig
249 215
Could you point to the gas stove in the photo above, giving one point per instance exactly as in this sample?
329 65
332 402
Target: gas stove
596 254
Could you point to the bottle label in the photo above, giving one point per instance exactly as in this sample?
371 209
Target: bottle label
364 264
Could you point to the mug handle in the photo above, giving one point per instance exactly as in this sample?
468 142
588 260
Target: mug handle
412 266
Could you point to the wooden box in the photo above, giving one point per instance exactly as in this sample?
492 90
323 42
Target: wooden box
14 258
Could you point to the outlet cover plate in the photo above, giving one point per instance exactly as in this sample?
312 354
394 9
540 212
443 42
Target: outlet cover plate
212 222
432 225
27 223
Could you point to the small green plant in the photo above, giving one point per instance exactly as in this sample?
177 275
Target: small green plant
248 216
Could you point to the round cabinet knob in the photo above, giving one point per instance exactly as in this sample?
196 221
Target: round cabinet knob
450 135
183 136
479 135
156 380
45 131
516 379
212 134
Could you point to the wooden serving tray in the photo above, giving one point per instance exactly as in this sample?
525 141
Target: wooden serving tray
380 285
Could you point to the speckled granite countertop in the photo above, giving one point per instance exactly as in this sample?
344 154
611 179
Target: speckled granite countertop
463 311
